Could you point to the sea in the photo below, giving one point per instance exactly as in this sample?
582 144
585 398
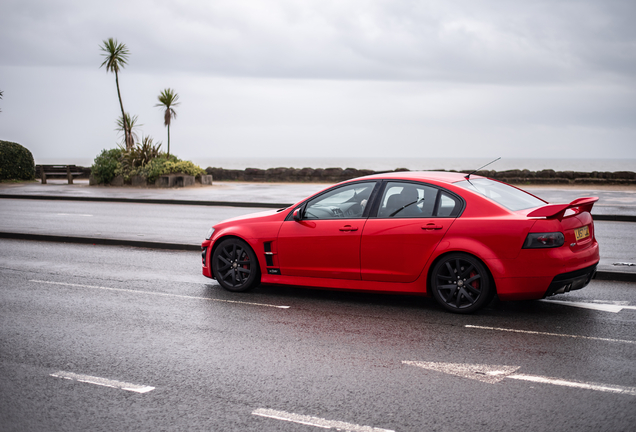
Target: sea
385 164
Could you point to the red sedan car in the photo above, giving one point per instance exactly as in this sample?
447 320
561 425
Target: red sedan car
461 239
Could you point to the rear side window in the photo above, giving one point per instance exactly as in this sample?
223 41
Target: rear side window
416 200
510 197
446 205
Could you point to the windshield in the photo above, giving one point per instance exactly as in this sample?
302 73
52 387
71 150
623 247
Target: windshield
512 198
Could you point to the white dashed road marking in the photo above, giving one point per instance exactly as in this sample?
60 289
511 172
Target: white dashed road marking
75 214
550 334
493 374
316 421
157 294
102 382
588 386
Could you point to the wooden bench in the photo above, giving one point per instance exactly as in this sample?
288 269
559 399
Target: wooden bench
68 171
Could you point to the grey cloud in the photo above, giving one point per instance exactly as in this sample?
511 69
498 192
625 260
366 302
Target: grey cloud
464 41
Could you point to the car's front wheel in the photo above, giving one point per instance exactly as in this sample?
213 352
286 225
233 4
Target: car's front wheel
461 283
235 265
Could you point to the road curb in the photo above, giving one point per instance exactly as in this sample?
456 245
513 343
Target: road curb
600 274
100 241
149 201
615 276
614 218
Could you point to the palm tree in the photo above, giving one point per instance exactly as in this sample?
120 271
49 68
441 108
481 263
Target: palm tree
131 123
1 94
117 57
168 99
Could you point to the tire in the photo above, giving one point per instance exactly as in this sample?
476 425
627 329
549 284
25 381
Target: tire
460 283
235 265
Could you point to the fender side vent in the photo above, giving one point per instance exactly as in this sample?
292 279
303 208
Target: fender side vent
269 259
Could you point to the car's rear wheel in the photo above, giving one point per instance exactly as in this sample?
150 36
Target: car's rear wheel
235 265
461 283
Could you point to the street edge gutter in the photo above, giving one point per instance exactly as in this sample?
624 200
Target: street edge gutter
101 241
150 201
600 275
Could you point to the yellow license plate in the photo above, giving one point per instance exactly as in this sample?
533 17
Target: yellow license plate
581 233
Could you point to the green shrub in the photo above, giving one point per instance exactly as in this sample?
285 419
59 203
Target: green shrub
140 154
144 159
16 162
172 165
106 164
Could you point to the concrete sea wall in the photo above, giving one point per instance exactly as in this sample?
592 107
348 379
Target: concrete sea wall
333 175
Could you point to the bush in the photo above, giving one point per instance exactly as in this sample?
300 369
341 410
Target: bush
140 155
162 165
144 159
105 165
16 162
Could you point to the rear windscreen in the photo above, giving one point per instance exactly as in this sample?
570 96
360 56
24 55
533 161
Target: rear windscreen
501 193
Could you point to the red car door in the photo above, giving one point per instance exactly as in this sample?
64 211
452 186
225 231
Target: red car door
325 243
320 248
411 220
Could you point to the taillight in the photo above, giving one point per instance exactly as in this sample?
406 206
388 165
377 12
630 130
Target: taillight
544 240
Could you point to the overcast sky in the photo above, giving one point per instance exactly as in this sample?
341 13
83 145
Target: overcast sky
316 78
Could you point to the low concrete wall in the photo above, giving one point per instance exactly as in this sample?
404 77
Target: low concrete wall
333 175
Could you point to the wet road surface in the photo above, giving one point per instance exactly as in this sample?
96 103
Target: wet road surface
113 338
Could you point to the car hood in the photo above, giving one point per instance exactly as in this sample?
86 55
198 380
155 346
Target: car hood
247 217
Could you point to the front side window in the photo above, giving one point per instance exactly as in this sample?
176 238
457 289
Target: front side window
346 202
510 197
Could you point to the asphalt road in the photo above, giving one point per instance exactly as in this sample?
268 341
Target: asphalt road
81 325
188 224
614 200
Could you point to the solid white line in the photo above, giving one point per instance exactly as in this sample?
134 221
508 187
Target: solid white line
102 382
157 293
316 421
589 386
551 334
594 306
493 374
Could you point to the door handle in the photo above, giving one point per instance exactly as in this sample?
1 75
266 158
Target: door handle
348 228
432 226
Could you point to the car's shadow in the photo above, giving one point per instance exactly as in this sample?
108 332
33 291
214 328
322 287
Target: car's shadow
297 296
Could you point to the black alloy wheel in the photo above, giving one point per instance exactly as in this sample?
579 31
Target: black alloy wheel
461 283
235 265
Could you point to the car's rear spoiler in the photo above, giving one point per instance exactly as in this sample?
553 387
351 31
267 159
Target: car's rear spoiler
556 211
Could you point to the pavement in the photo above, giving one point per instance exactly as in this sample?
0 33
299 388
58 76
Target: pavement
617 205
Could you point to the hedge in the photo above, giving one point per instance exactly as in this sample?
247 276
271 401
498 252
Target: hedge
16 162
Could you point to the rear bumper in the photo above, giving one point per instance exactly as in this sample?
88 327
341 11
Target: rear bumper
571 281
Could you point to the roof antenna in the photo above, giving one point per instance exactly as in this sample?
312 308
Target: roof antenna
467 177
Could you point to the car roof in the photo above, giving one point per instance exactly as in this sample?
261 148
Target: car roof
437 176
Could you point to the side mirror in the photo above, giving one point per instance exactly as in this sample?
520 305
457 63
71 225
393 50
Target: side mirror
298 214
